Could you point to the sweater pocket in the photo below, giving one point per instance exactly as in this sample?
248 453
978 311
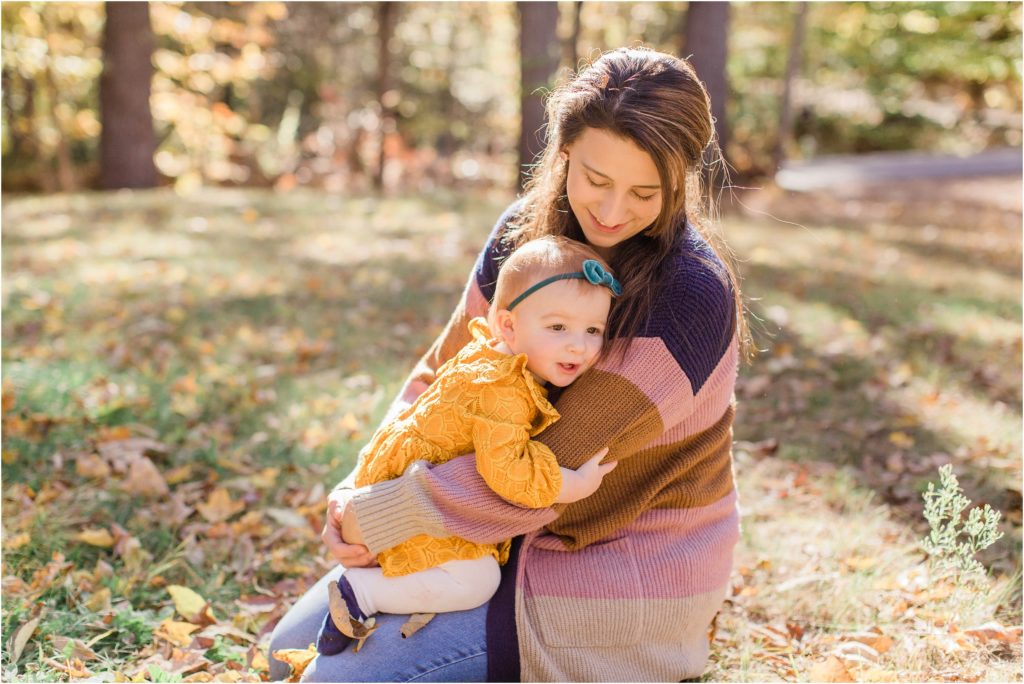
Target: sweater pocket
591 598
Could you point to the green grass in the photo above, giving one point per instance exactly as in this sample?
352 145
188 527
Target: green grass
258 337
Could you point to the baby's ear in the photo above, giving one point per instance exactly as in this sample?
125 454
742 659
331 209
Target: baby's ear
504 326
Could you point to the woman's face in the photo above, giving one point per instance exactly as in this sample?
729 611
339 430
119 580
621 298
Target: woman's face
613 187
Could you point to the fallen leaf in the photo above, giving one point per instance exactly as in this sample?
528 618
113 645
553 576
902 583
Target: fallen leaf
219 507
858 563
72 648
72 668
901 439
123 448
17 541
287 517
214 631
180 474
99 602
191 605
176 632
297 658
256 660
415 623
92 466
144 479
20 638
993 631
180 662
346 624
96 537
830 670
880 642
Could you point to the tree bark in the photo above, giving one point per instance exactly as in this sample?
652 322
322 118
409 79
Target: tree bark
127 141
386 15
705 43
792 69
572 42
538 60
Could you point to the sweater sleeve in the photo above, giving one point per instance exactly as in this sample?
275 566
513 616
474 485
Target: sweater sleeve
684 354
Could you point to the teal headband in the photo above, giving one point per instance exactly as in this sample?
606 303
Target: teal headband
592 272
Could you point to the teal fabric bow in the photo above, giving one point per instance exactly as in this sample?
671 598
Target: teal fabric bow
593 272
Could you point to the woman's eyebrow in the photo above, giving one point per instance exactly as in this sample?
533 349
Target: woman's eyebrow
604 175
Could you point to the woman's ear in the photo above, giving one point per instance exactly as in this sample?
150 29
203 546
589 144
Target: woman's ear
505 326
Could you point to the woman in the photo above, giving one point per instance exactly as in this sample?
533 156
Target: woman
620 586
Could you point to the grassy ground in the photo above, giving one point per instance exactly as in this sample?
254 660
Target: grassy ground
183 377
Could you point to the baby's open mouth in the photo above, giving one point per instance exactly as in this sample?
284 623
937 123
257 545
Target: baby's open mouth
569 367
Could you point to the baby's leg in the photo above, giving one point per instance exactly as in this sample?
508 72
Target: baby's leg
455 585
452 586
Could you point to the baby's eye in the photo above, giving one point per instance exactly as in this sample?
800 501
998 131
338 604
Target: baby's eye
558 327
594 331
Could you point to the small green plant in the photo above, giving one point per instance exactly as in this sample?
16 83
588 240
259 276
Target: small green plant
157 674
954 540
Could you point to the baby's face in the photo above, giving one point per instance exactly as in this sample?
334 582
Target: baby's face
560 328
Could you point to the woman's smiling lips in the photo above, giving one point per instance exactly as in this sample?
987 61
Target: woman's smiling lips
602 227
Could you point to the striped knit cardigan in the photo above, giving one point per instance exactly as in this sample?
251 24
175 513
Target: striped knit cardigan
622 585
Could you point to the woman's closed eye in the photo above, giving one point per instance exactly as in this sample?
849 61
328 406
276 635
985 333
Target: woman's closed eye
642 198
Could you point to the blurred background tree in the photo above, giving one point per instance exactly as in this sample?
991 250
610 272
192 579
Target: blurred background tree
413 96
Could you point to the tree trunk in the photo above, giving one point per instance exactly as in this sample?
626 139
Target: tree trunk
127 142
705 44
538 59
792 68
385 29
572 42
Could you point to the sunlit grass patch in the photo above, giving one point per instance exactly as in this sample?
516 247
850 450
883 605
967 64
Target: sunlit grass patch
234 350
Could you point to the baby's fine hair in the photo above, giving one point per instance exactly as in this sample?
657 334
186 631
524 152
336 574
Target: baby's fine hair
539 259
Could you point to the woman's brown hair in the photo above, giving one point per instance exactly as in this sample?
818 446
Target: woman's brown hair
657 102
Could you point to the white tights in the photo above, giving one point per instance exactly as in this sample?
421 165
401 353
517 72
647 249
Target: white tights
451 586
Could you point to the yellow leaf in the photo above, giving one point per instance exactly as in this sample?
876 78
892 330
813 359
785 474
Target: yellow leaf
96 537
219 506
190 605
179 474
99 602
257 661
20 638
297 658
858 563
91 466
901 439
17 541
178 633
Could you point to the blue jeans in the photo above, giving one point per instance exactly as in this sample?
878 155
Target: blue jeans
452 648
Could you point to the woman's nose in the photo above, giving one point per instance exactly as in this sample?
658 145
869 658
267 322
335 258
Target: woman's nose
613 210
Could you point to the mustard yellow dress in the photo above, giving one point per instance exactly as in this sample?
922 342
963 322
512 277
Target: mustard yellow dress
481 401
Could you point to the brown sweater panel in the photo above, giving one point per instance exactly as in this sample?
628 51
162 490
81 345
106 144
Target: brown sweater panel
691 473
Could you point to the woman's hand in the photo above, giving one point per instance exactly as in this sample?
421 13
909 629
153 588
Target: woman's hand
584 481
342 535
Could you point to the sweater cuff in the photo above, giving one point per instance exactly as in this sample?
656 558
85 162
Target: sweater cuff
393 511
